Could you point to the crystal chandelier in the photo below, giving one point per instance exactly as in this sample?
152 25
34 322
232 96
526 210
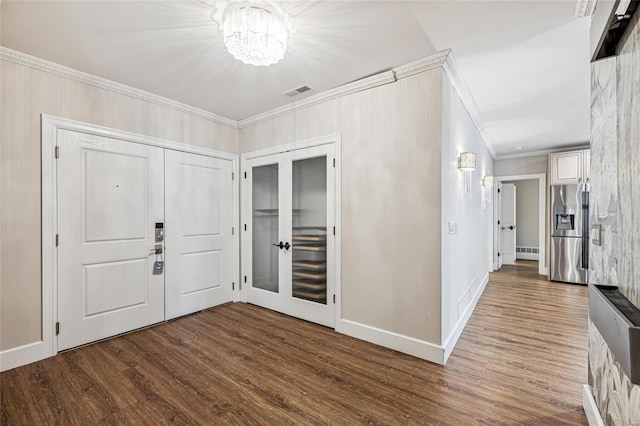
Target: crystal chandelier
255 36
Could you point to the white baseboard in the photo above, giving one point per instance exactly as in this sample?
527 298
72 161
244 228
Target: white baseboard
590 407
22 355
399 342
528 256
451 341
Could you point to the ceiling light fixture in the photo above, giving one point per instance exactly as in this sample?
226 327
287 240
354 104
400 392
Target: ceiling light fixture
255 36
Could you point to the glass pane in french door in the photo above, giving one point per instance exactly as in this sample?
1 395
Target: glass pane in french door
265 227
309 220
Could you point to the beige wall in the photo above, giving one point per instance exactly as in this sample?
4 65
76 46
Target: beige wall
391 162
26 94
521 165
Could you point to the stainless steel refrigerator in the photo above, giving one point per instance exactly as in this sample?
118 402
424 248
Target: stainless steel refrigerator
570 233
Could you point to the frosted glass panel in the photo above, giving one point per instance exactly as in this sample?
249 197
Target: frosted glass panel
309 263
265 227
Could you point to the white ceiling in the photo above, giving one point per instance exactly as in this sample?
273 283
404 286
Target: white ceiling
525 62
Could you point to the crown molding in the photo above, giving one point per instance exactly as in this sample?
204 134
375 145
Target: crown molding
584 8
452 70
356 86
434 61
415 67
542 152
443 59
102 83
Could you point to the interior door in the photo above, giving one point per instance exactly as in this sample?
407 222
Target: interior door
309 276
111 194
198 232
498 225
508 224
262 221
289 245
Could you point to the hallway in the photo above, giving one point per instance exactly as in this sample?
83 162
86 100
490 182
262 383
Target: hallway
522 360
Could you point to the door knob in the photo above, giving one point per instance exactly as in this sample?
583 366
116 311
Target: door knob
286 245
281 245
512 227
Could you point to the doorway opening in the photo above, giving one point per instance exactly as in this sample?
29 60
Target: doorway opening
526 240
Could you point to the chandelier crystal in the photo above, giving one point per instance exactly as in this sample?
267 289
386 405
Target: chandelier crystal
255 36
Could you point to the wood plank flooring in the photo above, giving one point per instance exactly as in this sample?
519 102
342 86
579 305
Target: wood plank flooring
521 361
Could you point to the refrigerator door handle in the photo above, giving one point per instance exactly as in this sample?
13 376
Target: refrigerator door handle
585 253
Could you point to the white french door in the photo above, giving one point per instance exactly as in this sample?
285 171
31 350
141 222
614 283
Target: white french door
288 239
199 244
110 195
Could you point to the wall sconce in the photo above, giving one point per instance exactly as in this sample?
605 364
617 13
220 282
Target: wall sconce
487 181
467 163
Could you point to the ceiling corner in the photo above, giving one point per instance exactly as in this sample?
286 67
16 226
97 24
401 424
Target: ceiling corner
584 8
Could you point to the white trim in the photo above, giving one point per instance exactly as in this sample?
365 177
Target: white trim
22 355
542 208
93 129
236 226
399 342
102 83
451 341
346 89
337 220
50 127
584 8
303 144
590 407
452 71
436 60
541 152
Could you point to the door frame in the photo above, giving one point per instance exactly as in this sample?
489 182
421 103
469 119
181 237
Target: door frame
50 125
336 140
542 217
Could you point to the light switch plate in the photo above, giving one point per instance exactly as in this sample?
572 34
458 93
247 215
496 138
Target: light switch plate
453 227
596 234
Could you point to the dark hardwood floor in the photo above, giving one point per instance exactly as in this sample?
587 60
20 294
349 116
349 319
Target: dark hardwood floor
521 360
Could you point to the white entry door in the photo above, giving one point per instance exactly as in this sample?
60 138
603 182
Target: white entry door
110 195
508 224
288 242
199 242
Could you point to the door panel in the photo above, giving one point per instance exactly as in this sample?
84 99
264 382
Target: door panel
566 260
265 227
508 224
199 243
110 195
498 225
309 231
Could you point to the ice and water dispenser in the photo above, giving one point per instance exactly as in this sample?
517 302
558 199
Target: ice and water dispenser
565 218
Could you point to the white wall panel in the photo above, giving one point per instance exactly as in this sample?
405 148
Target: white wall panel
465 254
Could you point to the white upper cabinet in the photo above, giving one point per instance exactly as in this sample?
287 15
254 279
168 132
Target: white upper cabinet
570 167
